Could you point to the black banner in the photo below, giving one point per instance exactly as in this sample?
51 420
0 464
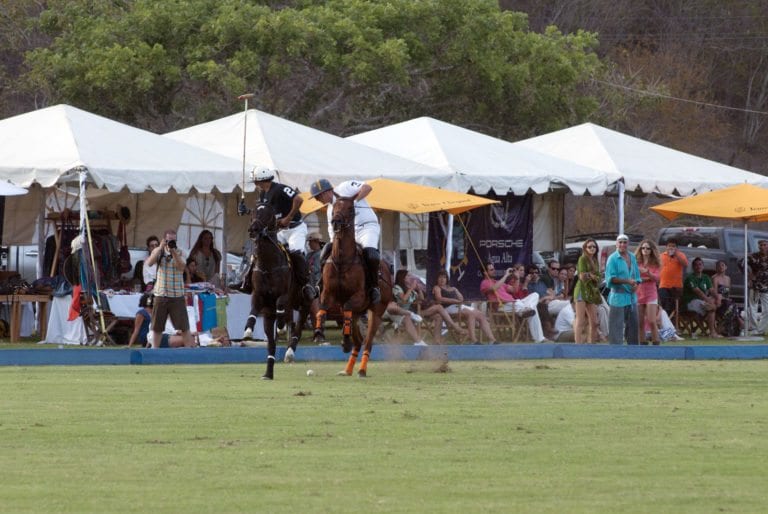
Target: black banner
501 233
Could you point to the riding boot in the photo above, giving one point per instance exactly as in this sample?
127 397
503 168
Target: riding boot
301 272
372 262
324 254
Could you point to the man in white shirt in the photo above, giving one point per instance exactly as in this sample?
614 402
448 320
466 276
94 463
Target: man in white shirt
367 229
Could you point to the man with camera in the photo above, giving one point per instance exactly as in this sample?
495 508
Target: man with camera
169 290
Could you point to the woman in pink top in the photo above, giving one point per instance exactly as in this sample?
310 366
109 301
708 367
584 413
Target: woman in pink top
647 293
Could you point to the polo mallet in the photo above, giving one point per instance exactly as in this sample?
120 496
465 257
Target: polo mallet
245 97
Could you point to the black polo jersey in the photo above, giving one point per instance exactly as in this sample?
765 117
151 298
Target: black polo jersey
280 197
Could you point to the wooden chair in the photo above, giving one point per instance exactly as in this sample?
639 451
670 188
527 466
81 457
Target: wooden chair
507 326
689 322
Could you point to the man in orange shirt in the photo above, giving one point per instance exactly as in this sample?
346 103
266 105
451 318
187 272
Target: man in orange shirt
674 264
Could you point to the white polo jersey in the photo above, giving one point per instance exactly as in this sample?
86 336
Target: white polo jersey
367 228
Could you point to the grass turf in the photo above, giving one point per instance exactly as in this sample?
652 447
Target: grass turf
512 436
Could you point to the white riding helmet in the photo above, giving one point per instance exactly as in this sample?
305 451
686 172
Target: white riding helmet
262 174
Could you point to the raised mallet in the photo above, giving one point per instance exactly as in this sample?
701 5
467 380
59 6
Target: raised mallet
245 97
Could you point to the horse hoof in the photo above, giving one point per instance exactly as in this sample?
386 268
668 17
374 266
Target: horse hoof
343 373
281 331
248 334
362 373
290 356
266 377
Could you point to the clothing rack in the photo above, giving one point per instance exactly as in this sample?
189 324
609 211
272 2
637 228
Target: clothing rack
101 219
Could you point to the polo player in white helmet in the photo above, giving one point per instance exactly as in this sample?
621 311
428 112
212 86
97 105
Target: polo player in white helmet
292 231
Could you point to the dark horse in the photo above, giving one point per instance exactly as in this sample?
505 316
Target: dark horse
274 293
344 287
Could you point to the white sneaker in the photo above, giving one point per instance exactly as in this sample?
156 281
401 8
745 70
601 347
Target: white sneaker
416 318
420 343
678 338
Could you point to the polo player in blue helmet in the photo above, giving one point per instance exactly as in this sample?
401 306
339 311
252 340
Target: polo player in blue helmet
367 228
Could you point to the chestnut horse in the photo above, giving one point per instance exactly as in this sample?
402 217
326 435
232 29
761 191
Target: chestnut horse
344 287
275 293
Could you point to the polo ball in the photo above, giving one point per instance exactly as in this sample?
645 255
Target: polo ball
310 372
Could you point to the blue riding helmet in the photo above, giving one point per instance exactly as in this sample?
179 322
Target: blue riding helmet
320 186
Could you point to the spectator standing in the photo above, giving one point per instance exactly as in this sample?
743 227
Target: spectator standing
674 264
648 263
622 276
207 258
315 244
586 294
168 292
757 269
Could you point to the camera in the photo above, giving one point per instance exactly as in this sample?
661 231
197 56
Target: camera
171 244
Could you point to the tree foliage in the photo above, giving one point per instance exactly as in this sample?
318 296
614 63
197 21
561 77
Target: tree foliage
341 65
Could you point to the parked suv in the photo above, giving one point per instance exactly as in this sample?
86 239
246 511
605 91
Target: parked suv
606 242
713 244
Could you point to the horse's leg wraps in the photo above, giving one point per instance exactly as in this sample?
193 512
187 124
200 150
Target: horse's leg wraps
364 360
347 323
351 362
251 321
320 319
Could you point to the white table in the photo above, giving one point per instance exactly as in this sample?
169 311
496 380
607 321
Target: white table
238 308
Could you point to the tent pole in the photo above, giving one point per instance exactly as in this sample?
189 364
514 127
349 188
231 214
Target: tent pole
449 244
85 226
746 288
620 185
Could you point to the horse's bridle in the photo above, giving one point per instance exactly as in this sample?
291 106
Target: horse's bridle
340 222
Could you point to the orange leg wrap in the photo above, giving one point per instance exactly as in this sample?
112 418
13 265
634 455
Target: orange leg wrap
364 361
351 362
347 323
320 319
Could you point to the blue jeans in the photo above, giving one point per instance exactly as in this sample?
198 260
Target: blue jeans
622 321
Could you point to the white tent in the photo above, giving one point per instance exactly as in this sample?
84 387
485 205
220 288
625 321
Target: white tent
44 146
483 162
302 154
645 167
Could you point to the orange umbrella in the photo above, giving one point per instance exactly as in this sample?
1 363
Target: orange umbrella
745 202
394 195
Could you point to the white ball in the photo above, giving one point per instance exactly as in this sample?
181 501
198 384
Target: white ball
310 372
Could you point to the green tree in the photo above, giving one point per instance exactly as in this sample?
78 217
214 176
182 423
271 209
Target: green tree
340 65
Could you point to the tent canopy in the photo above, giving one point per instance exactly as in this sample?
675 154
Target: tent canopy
302 154
394 195
46 145
744 202
8 189
482 162
645 167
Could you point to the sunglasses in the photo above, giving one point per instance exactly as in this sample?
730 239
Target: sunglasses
645 248
591 246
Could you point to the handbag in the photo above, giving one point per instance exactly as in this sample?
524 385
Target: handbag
123 254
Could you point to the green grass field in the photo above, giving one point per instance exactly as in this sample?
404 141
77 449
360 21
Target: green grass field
510 436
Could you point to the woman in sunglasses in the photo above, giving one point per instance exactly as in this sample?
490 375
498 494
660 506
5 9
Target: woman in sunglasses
649 263
586 294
